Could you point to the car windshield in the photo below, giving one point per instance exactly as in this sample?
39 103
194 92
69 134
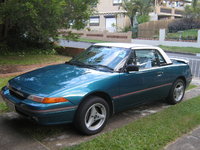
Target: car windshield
101 57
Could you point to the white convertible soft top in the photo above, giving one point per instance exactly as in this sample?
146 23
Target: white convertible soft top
138 47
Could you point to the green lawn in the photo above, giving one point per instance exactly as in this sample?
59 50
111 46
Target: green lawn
191 87
149 133
3 108
91 41
3 81
32 59
185 35
181 49
85 40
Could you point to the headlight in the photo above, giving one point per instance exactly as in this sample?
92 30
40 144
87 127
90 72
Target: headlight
36 98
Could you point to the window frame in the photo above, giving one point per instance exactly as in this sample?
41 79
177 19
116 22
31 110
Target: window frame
94 24
117 2
156 52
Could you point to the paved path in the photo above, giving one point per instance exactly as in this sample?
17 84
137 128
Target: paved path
12 139
190 141
86 45
66 43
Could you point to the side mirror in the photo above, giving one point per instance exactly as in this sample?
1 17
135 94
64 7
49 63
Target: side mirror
132 68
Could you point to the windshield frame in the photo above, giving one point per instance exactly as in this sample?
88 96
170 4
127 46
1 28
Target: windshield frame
117 68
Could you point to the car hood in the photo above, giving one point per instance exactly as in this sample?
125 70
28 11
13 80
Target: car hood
50 79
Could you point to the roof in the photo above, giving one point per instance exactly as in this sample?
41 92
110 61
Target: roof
124 45
137 46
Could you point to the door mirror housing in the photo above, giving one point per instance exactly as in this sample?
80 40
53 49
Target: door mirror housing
132 68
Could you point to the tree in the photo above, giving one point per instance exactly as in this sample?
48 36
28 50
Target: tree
193 11
142 7
194 3
36 21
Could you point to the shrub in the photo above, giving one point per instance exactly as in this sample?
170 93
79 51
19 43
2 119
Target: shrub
34 23
183 24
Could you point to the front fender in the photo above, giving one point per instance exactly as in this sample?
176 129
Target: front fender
109 85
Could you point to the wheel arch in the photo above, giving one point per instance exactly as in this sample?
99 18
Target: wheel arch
182 78
103 95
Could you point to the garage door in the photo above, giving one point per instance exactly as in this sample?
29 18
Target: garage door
110 21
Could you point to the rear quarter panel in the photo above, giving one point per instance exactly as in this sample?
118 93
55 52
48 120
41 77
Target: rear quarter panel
178 70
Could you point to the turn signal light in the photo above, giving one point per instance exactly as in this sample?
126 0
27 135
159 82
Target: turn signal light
48 100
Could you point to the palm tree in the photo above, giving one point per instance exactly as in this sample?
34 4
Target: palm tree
194 3
142 7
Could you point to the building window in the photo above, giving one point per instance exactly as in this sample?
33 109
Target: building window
179 12
165 10
94 21
117 2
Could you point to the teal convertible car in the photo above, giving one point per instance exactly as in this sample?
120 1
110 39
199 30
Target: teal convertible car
104 79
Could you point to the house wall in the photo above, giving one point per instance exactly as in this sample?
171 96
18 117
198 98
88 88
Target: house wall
106 9
164 10
167 9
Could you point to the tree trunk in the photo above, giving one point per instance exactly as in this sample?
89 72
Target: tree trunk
5 30
2 27
194 3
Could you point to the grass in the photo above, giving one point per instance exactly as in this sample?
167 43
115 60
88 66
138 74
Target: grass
91 41
32 59
153 132
185 35
181 49
191 86
3 108
85 40
3 81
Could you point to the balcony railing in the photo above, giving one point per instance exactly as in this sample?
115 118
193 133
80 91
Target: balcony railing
169 11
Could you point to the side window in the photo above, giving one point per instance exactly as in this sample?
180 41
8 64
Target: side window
132 60
161 60
146 59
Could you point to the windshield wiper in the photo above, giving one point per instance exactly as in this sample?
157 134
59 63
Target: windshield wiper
78 63
103 66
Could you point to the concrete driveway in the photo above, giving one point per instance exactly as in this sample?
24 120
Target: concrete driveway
12 137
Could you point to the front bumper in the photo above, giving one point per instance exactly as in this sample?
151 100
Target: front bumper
45 114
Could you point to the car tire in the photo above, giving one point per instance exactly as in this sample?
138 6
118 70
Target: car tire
177 92
92 115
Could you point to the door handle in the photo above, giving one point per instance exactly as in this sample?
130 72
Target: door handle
159 74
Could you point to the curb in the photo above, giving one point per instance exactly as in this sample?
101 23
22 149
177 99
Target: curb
167 51
183 53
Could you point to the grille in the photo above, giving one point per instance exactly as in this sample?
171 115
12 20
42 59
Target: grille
17 95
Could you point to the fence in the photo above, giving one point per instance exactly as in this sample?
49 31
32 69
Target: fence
162 40
148 34
151 29
103 36
194 65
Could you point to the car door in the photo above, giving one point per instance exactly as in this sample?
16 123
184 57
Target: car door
141 86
